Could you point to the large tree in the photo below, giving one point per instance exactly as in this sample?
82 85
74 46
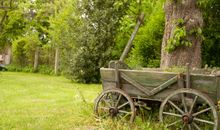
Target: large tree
182 36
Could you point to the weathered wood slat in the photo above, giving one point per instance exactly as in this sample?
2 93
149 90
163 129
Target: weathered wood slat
203 83
146 78
218 87
149 78
136 84
164 85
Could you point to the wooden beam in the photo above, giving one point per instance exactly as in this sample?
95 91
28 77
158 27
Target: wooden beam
164 85
136 84
129 44
218 86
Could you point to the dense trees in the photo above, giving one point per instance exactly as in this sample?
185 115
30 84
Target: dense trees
78 37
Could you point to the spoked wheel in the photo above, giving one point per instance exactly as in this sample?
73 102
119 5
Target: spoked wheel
188 109
116 104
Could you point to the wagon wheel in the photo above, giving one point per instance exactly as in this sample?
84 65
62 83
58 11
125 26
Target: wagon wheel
188 109
116 104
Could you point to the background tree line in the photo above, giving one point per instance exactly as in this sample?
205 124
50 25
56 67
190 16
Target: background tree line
77 37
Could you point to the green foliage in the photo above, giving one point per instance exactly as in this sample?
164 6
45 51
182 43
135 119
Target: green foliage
211 33
19 53
97 29
205 4
89 34
43 69
178 38
23 49
147 43
63 32
16 68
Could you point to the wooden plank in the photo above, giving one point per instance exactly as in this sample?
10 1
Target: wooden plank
108 85
203 83
164 85
149 78
180 81
117 79
107 74
136 84
218 87
146 78
132 91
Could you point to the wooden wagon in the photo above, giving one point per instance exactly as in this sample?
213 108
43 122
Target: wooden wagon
188 100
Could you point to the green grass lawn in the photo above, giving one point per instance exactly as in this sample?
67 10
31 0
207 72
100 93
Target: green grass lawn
41 102
34 101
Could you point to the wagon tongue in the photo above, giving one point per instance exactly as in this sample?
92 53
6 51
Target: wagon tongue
129 44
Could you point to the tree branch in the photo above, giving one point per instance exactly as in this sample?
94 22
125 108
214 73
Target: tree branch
2 20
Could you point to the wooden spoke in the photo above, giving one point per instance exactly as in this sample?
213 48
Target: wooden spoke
171 124
196 126
104 115
126 112
119 98
172 114
204 121
194 101
184 102
120 116
175 106
107 105
191 109
126 103
184 125
104 108
202 111
189 126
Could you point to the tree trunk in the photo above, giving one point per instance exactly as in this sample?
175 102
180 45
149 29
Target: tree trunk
56 61
192 17
8 55
36 59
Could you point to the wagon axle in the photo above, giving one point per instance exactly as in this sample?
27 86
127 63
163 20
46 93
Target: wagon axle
187 118
113 112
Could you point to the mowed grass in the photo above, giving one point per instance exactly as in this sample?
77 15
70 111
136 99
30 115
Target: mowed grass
34 101
41 102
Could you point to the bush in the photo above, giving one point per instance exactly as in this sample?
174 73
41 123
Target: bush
43 69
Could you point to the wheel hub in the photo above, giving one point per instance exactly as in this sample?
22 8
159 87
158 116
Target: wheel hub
187 118
113 112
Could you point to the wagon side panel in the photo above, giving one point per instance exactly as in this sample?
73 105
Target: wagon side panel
148 79
206 84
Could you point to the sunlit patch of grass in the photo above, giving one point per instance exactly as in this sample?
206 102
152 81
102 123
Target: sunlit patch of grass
33 101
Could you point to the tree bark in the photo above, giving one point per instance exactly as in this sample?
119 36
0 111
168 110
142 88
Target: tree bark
8 55
36 59
56 61
192 16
